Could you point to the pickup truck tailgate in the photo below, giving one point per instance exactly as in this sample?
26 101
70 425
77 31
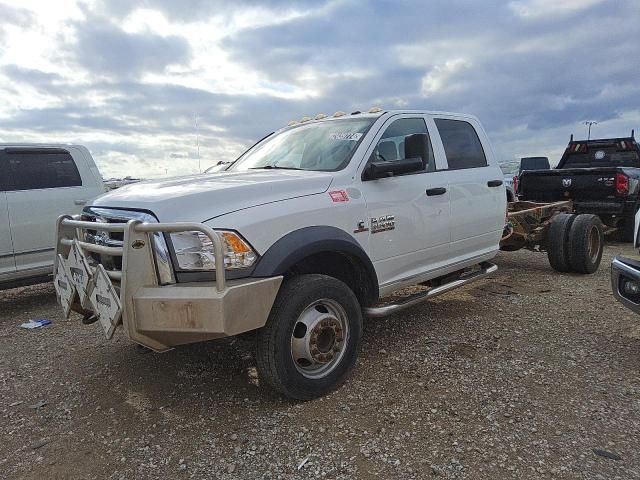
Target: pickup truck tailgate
580 184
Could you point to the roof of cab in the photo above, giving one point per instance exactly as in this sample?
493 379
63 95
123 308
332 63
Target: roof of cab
370 114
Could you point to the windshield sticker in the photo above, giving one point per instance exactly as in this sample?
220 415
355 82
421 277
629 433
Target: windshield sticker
354 137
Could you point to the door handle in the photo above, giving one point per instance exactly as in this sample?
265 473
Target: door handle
494 183
80 202
431 192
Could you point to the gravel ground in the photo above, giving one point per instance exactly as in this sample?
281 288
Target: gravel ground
524 375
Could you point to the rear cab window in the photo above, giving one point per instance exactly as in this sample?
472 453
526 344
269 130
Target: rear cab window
39 169
601 156
462 145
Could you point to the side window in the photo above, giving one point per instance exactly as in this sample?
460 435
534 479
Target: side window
30 170
461 144
405 138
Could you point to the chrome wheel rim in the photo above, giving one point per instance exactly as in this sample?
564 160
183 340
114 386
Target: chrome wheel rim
319 338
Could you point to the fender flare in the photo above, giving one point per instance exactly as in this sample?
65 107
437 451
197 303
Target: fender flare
299 244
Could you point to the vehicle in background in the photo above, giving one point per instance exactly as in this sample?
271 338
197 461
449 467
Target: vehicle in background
534 163
625 275
600 176
306 232
510 182
510 185
37 184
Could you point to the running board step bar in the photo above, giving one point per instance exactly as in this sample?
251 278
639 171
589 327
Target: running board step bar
486 268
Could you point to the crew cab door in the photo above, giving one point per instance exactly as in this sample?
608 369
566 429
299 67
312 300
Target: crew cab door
7 262
409 213
477 191
44 183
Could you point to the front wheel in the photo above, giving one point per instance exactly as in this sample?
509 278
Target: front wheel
311 339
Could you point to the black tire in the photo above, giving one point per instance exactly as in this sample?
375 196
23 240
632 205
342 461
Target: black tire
558 242
275 351
586 243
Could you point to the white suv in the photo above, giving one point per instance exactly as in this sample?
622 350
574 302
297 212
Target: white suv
37 184
297 239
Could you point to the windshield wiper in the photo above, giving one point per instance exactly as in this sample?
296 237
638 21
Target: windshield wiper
276 167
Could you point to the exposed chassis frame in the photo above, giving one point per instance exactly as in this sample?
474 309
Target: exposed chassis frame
528 223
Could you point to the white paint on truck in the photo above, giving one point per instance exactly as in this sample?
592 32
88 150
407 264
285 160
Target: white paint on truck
350 208
39 183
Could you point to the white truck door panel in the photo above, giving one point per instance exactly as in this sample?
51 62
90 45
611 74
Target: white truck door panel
473 209
417 238
477 193
7 262
46 184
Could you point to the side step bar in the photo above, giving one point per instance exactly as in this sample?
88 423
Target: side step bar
486 268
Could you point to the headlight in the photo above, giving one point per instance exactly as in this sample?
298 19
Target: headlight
194 251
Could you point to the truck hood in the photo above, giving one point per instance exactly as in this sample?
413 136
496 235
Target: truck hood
198 198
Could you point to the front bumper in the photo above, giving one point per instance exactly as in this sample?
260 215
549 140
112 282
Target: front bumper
625 269
157 316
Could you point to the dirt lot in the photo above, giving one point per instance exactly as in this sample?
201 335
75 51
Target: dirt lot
519 376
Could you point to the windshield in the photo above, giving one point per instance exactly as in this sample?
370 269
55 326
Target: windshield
324 146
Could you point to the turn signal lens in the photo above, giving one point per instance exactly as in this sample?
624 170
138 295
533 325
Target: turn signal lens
235 243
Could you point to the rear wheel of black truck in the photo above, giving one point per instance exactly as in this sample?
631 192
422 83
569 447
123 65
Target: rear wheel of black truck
311 339
586 242
558 242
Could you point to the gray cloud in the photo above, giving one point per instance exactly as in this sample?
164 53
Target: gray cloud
105 49
190 10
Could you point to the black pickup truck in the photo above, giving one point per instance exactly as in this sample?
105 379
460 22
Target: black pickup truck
601 176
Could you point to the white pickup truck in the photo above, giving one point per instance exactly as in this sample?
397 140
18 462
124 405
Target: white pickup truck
298 239
38 182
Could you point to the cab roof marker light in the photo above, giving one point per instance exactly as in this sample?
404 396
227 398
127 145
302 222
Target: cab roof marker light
339 113
375 110
292 123
305 119
320 116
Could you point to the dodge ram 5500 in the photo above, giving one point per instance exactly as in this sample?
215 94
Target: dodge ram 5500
299 238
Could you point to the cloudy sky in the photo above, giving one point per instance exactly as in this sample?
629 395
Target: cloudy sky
128 79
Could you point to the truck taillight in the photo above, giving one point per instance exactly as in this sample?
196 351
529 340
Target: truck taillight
622 184
515 184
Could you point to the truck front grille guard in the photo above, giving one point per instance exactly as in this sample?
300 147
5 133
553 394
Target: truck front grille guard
71 229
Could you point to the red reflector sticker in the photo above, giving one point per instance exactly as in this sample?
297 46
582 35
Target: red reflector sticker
339 196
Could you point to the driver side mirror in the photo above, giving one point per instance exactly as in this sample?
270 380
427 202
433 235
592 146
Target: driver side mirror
376 170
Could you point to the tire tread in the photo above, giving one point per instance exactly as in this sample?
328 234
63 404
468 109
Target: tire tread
579 244
558 242
267 351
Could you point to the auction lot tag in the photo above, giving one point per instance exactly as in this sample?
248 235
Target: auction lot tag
354 137
64 288
79 272
106 302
